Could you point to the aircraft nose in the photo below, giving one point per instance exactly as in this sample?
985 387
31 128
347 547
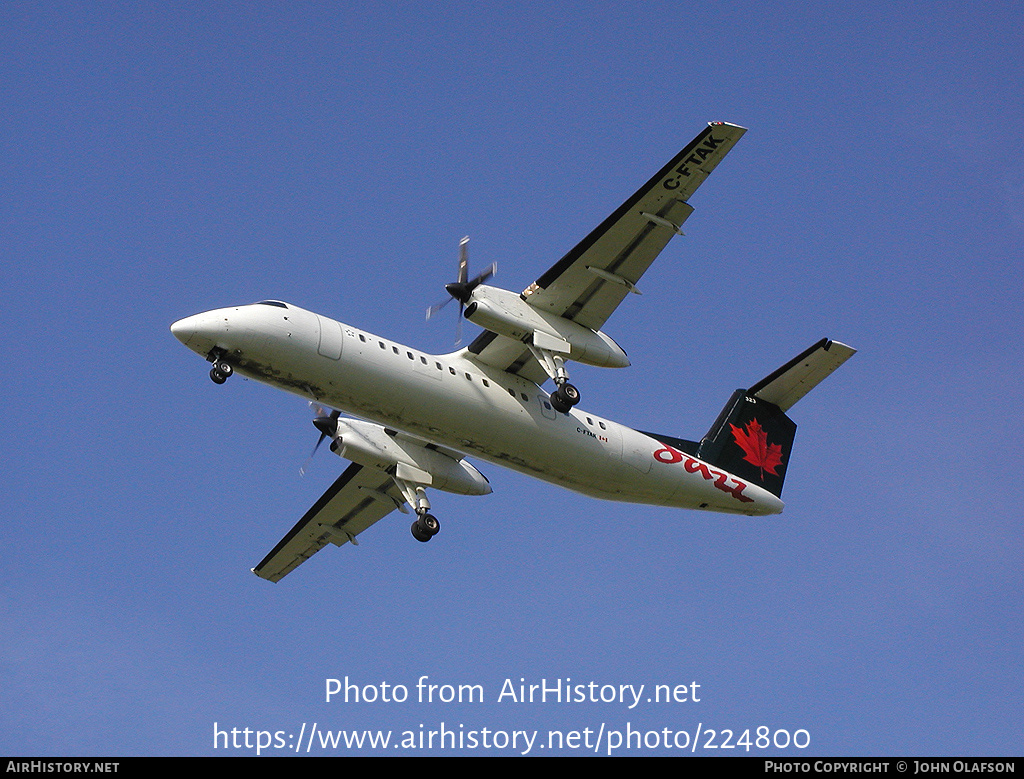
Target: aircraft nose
201 332
185 329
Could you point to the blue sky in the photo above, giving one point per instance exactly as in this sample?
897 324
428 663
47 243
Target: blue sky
163 159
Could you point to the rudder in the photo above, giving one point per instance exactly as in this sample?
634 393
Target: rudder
751 439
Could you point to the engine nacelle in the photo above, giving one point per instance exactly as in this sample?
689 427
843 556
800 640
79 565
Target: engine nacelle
374 447
506 313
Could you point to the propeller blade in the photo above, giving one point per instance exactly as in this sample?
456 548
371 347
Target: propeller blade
462 289
463 259
482 277
327 424
437 307
302 468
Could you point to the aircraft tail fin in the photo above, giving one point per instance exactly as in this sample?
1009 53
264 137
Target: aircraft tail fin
752 437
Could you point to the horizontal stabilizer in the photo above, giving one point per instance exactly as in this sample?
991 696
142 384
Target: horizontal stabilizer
800 375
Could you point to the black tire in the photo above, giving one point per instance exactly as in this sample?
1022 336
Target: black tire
225 369
559 405
419 534
428 524
569 394
217 377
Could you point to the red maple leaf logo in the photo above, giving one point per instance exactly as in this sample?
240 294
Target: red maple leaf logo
754 442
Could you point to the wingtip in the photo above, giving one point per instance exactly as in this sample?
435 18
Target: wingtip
840 348
741 128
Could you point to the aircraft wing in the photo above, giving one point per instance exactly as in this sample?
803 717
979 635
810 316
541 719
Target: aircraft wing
358 498
589 282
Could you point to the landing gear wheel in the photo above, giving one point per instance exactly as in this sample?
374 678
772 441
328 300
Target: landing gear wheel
428 524
419 534
559 405
565 397
220 371
569 394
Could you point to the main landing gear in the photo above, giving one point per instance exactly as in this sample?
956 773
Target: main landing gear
565 397
425 527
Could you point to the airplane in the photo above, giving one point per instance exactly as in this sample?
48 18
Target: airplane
415 416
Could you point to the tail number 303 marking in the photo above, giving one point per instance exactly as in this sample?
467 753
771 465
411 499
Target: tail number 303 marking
668 455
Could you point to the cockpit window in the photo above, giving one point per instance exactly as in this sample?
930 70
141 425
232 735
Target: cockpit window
277 303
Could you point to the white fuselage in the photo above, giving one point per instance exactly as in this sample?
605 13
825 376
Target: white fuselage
455 402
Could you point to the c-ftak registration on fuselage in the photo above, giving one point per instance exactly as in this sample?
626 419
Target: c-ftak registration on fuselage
415 416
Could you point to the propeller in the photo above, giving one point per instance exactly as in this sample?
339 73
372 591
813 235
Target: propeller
461 290
327 424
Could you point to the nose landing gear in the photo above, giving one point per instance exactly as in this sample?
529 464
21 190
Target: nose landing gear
221 371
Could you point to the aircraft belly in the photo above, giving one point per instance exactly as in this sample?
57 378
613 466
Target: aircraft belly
485 421
459 411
